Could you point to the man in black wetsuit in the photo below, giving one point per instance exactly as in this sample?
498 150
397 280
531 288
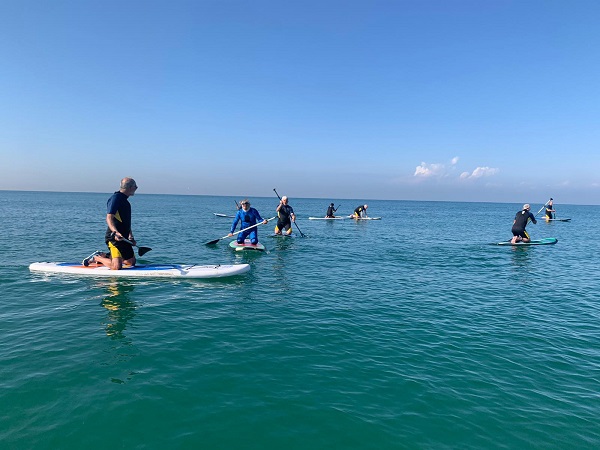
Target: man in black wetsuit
521 219
550 209
360 211
286 216
331 211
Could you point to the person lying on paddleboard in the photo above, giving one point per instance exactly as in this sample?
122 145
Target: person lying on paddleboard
522 218
550 209
285 214
360 211
247 216
331 211
118 219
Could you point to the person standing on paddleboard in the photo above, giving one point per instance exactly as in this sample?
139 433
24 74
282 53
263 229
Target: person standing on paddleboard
285 214
247 216
331 211
118 219
360 211
550 209
522 218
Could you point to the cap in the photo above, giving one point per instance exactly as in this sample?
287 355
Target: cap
526 206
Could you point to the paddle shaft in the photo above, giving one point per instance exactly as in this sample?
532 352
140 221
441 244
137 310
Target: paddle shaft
542 207
300 231
241 231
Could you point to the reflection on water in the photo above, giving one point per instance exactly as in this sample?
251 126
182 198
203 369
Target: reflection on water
120 309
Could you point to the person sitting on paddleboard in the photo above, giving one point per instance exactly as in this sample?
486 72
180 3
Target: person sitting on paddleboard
331 211
522 218
247 216
118 219
550 209
360 211
285 214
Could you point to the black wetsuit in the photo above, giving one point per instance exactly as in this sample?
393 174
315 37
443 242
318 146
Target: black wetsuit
330 211
521 220
284 221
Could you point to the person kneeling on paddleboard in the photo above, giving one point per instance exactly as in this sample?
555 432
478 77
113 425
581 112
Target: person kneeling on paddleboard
331 212
247 216
522 218
360 211
285 214
118 219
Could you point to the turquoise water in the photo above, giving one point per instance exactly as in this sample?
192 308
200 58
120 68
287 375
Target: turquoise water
409 332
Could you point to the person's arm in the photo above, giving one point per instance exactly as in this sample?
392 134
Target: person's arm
235 222
111 221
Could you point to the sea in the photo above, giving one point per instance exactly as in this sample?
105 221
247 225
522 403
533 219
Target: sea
414 331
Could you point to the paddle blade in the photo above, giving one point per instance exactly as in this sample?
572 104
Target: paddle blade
143 250
212 242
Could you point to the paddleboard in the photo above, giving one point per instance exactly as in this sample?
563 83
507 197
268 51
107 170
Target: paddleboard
544 241
557 220
224 215
275 235
144 270
365 218
328 218
246 246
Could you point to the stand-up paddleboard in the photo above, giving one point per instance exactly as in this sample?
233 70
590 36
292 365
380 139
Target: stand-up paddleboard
246 246
224 215
556 220
329 218
365 218
144 270
283 235
544 241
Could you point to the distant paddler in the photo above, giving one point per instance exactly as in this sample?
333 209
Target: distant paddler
360 211
331 210
522 218
550 209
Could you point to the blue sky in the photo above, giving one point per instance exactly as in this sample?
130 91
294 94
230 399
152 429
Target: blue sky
418 100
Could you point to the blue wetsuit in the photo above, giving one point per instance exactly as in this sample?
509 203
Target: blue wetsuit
118 205
248 218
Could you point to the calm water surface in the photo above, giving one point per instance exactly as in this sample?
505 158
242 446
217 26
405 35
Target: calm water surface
409 332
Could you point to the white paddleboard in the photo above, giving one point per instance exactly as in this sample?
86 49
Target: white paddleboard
224 215
144 270
365 218
329 218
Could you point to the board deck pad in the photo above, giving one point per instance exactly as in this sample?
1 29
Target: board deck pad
246 246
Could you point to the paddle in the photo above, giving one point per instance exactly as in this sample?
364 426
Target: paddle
236 205
241 231
301 233
542 207
141 250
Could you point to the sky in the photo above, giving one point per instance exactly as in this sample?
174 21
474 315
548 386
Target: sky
451 100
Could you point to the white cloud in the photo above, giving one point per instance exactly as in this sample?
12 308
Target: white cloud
479 172
435 169
429 170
